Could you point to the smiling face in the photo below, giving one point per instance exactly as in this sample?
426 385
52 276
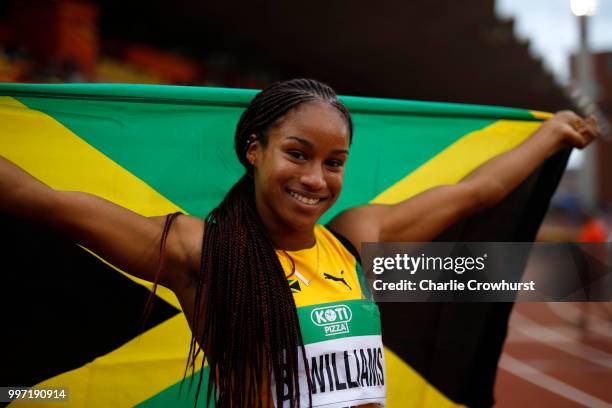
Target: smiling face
299 171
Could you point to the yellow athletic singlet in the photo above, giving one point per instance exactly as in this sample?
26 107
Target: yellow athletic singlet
340 325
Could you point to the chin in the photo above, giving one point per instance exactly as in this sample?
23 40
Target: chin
301 218
301 223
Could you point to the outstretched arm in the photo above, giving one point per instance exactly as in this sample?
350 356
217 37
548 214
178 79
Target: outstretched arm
425 216
126 239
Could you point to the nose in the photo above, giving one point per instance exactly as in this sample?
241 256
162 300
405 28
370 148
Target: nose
314 178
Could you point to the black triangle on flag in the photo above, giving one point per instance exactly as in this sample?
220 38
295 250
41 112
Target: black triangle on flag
64 303
457 345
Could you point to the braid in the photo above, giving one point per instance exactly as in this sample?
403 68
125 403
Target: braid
245 320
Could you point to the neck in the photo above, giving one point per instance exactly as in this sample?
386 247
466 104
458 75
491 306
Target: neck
291 241
284 236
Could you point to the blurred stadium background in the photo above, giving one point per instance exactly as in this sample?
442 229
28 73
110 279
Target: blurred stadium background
442 50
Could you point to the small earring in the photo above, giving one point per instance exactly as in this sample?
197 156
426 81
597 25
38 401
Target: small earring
249 140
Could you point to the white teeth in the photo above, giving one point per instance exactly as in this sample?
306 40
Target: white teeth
303 199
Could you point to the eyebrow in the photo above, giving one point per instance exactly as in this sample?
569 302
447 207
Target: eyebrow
309 144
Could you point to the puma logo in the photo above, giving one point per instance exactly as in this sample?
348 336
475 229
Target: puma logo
336 279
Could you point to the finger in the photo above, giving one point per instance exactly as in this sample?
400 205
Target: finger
588 133
576 138
591 125
592 121
570 118
577 123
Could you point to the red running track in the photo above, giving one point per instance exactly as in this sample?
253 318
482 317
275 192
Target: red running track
557 355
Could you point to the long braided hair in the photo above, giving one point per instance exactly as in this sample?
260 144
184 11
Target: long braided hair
245 320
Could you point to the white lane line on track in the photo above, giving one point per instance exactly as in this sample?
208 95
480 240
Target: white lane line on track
572 314
534 376
552 338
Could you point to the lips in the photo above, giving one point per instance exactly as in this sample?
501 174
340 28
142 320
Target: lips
306 200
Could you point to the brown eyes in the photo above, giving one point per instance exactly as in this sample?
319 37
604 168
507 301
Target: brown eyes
333 163
296 154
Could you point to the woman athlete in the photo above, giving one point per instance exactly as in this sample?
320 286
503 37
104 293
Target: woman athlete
230 272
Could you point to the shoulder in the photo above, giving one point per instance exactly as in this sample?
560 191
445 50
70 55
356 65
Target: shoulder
345 243
359 224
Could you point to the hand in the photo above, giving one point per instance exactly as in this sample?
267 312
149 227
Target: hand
572 130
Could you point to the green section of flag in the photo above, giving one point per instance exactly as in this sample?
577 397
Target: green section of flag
181 396
184 152
386 148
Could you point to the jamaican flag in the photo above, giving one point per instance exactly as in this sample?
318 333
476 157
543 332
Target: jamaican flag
72 320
